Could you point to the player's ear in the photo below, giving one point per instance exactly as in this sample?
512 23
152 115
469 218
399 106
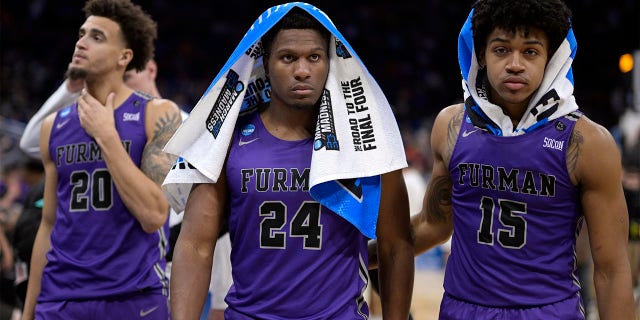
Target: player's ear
481 59
126 55
152 68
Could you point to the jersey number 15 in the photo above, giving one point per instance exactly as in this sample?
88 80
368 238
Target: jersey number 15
514 233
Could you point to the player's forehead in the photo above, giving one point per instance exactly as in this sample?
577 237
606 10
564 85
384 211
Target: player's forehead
101 25
297 39
526 34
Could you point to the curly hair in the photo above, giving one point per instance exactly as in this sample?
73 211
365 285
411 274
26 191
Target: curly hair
138 28
553 17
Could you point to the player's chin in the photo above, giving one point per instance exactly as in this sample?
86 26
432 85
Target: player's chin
75 72
515 96
304 106
304 103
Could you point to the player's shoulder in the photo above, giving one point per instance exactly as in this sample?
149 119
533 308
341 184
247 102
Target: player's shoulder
449 117
451 111
160 105
49 119
589 132
591 149
445 130
163 110
162 118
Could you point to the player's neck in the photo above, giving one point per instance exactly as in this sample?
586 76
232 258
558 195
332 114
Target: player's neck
289 124
100 89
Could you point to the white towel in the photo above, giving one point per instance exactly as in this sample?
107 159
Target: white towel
553 99
356 139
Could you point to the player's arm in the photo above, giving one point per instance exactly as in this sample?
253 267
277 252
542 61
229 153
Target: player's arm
6 251
42 243
434 224
65 95
395 247
139 188
193 253
594 163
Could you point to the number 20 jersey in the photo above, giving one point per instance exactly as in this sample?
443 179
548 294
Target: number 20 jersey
516 217
291 257
98 248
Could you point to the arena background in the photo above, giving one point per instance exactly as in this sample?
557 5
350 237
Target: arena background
409 46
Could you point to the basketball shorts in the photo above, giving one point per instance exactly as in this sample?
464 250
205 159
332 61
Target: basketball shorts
141 306
454 309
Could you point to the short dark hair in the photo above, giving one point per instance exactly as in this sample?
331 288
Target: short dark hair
551 16
296 18
138 28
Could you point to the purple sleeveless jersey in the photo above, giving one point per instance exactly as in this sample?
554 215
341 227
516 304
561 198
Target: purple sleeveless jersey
291 257
98 248
516 217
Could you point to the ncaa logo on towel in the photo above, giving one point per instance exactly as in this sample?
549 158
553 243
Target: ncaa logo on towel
227 96
325 127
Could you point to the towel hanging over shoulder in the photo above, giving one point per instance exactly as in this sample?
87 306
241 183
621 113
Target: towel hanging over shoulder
356 140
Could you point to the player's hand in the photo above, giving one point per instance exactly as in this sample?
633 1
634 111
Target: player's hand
96 118
7 261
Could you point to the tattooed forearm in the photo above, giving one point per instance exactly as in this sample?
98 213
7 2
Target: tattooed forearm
155 162
573 153
439 194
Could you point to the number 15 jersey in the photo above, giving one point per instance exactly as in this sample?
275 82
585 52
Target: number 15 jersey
516 217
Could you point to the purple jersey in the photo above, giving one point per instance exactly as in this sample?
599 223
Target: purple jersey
98 248
516 217
292 258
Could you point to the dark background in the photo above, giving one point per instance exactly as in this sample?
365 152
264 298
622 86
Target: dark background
410 47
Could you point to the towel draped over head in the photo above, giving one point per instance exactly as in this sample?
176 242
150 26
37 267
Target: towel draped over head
552 100
356 140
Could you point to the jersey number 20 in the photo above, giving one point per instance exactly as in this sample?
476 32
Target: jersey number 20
101 197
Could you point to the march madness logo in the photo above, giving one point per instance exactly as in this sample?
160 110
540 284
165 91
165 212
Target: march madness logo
228 95
325 127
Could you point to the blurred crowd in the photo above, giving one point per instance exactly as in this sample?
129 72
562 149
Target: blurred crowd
409 47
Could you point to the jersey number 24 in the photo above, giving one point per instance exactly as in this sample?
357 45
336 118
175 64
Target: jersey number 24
305 223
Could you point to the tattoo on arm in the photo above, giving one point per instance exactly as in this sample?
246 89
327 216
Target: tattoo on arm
452 135
573 153
155 162
439 194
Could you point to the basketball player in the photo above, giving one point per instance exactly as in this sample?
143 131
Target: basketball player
144 81
515 202
100 246
320 272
